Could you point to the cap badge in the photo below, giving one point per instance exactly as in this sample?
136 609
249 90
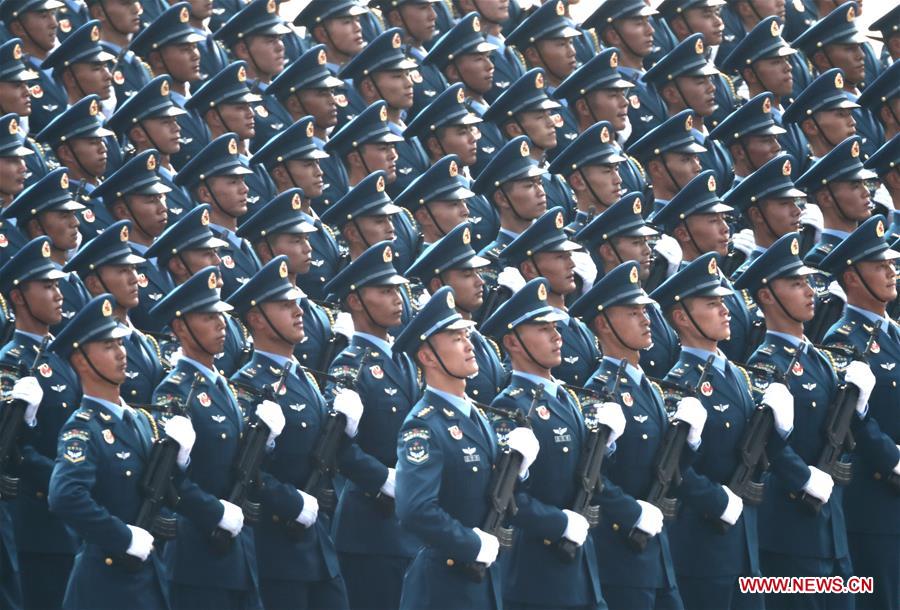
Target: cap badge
636 206
460 96
13 126
383 113
282 270
123 234
388 254
64 181
767 105
838 81
204 217
322 57
476 24
613 60
711 184
560 8
524 150
106 309
212 281
786 168
539 81
379 185
879 229
795 247
395 41
775 29
45 249
95 34
151 163
713 267
467 236
17 51
854 149
851 13
184 16
560 222
542 292
451 302
270 6
698 46
241 74
164 88
689 122
232 146
604 135
94 108
453 169
310 130
633 276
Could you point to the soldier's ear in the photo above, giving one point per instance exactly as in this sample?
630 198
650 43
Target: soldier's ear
528 269
97 12
680 27
575 179
512 130
435 284
93 284
582 109
320 34
532 57
240 50
670 94
434 146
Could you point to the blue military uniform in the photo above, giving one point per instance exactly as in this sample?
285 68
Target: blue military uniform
873 527
877 95
199 575
11 145
44 547
455 251
103 453
48 96
129 72
629 578
882 163
625 219
297 565
374 551
51 193
754 118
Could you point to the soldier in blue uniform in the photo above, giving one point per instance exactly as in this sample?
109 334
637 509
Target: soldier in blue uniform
282 228
374 551
751 135
452 261
835 42
793 541
696 219
337 25
15 98
181 251
883 163
446 452
169 45
614 310
297 560
255 35
202 577
202 17
863 266
684 79
448 129
887 28
216 176
106 264
137 194
103 454
13 168
45 548
293 160
34 23
880 99
708 560
79 140
544 250
80 65
527 325
617 236
118 24
47 208
71 16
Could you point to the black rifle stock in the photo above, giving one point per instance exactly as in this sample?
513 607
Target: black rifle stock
827 313
589 477
733 260
838 437
12 422
666 466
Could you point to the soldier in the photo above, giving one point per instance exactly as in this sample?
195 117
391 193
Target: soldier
104 451
452 261
442 493
47 208
119 22
213 57
148 120
79 140
201 576
13 168
613 309
45 548
751 135
793 542
337 25
79 64
884 163
709 562
544 250
183 249
281 228
298 565
107 264
619 235
374 551
824 113
887 27
862 266
696 219
740 17
882 99
293 159
216 176
527 326
508 64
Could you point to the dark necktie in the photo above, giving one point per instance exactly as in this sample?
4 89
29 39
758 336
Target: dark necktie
129 418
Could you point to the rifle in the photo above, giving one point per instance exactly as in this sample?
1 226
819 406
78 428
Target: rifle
838 438
807 239
827 313
496 295
502 493
666 465
589 472
246 470
752 450
733 261
659 267
157 489
12 420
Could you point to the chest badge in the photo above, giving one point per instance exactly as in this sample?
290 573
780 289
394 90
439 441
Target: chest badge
888 366
543 412
377 371
797 369
627 399
108 436
640 418
720 408
204 399
470 455
706 389
809 387
123 455
45 370
875 347
455 432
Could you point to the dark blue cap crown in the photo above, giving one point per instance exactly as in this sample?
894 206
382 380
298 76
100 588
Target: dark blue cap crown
284 214
452 251
772 180
138 176
528 305
448 108
624 218
31 262
257 18
438 315
309 71
109 248
547 22
80 120
200 294
781 259
596 145
229 86
837 27
385 52
81 46
51 192
699 278
296 142
218 158
824 93
842 163
368 127
271 283
886 158
93 322
754 118
463 38
317 11
443 181
688 58
866 243
883 89
11 141
374 267
698 196
545 234
675 135
368 198
528 93
512 162
617 9
619 287
762 42
601 72
191 232
171 27
153 100
12 68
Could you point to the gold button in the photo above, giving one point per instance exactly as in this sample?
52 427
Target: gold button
894 384
127 473
39 495
644 436
565 449
134 392
792 496
615 527
303 424
108 561
475 392
813 404
877 476
224 436
547 542
65 405
474 468
450 563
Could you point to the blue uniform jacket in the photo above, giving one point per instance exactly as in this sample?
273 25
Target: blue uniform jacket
239 261
153 285
75 296
580 352
129 73
659 358
492 374
327 260
145 370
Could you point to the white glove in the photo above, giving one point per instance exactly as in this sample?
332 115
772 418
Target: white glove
523 441
29 390
343 325
819 484
835 289
310 511
860 374
390 483
778 398
232 519
180 429
490 546
743 241
734 509
511 278
691 411
811 215
669 248
651 519
174 357
141 543
585 268
610 414
423 299
576 528
897 467
347 401
271 415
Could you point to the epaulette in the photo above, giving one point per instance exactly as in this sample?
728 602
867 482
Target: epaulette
573 395
602 377
658 388
520 57
834 363
448 413
425 412
244 332
679 371
155 345
767 349
846 328
746 376
451 8
85 414
250 371
730 84
329 230
152 421
495 347
412 219
3 307
748 300
177 377
312 379
594 39
515 392
638 165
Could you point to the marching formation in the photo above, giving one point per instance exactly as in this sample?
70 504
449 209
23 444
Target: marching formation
448 304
